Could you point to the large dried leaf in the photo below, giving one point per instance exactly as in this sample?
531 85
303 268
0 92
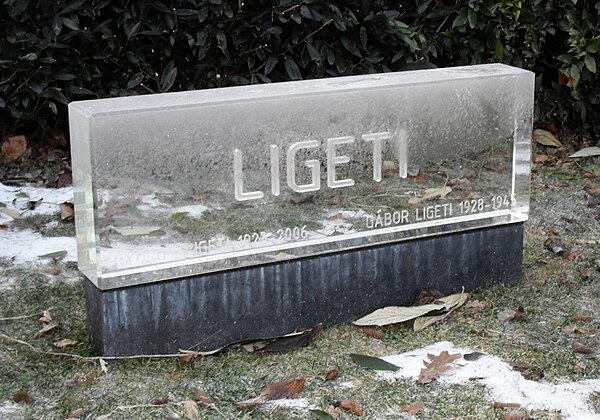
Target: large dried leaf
454 301
275 391
45 329
375 363
65 342
395 314
546 138
14 147
586 152
437 365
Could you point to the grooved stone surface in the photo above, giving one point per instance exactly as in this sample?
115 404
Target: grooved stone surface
209 311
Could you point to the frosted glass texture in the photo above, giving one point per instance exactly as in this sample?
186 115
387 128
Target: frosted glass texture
180 184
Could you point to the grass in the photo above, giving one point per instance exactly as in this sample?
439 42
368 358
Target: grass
552 291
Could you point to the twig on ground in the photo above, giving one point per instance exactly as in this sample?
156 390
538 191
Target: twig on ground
97 358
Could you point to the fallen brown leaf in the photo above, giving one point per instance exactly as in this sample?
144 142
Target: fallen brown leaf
55 271
476 306
592 190
570 329
581 318
505 405
65 179
176 376
75 414
533 373
372 332
353 406
22 395
200 196
14 147
46 317
581 348
65 342
333 411
552 231
507 315
45 329
67 211
546 138
572 255
291 342
190 409
540 158
204 398
436 366
301 199
412 408
186 358
275 391
554 246
586 273
331 375
335 216
427 296
513 416
160 400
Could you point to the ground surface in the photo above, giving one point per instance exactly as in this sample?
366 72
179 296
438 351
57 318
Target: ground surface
556 334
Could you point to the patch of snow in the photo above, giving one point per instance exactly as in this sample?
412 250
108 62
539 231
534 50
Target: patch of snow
502 383
346 384
18 199
10 410
194 210
297 403
26 246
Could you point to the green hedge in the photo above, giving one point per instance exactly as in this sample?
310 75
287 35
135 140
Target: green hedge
53 52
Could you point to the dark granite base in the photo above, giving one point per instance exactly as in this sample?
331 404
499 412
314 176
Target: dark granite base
209 311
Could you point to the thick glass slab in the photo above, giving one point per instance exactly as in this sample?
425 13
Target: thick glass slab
180 184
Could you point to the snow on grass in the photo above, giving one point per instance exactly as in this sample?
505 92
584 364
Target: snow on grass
502 383
18 199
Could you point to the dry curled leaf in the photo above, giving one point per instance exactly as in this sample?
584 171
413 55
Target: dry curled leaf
412 408
427 296
552 231
570 329
75 414
533 373
331 375
333 411
46 317
14 147
163 399
67 211
204 398
437 365
353 406
581 348
506 405
54 271
22 395
546 138
176 376
476 306
186 358
372 332
65 342
275 391
45 329
540 158
581 318
190 409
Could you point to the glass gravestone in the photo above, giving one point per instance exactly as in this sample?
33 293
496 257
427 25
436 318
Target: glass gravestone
181 185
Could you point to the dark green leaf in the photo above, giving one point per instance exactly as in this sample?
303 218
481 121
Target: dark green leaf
461 19
29 57
221 41
71 7
56 25
590 63
70 23
58 95
374 363
56 255
168 77
176 217
312 51
270 64
351 46
292 69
